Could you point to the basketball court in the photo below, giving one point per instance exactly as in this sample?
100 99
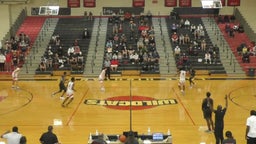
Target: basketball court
156 103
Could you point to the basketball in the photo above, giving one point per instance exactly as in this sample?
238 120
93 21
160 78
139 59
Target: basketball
122 138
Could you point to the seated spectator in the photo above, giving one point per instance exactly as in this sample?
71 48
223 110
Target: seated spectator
114 64
207 58
244 49
192 28
246 57
109 43
72 62
155 56
181 23
226 19
80 64
181 39
187 24
235 27
220 20
232 18
71 51
185 59
42 66
214 57
175 38
231 33
127 16
134 58
174 28
241 29
177 52
239 50
227 27
186 39
85 33
203 45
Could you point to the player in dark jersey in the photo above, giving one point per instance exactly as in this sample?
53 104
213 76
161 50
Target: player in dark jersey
62 86
192 73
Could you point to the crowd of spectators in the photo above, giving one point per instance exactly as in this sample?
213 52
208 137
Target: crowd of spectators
14 51
189 42
57 57
134 44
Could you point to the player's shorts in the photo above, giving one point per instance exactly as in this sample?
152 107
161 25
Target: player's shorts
101 79
207 113
181 82
62 87
15 78
70 94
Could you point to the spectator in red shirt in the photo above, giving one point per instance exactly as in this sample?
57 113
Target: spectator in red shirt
114 64
8 62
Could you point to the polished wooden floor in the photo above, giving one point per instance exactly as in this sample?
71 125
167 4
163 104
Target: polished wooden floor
32 108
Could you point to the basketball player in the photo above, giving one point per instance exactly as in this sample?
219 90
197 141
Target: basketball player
70 93
15 74
182 81
192 73
207 107
62 86
102 78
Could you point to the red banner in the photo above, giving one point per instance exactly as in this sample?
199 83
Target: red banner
138 3
89 3
223 2
73 3
170 3
233 3
185 3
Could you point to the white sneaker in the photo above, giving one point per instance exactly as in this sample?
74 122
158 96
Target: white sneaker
62 98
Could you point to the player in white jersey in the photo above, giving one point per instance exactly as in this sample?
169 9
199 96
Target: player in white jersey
70 93
15 74
182 81
102 78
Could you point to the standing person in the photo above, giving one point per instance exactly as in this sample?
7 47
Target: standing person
70 93
207 106
12 137
49 137
8 61
182 81
219 122
15 75
229 138
2 61
192 73
101 79
107 65
250 133
62 86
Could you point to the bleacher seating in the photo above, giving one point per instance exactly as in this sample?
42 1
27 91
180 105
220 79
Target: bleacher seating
194 51
239 39
68 33
129 44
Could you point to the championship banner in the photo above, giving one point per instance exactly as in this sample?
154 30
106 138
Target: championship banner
223 2
185 3
170 3
89 3
233 3
138 3
73 3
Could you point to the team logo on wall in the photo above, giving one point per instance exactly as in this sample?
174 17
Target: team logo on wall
127 102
